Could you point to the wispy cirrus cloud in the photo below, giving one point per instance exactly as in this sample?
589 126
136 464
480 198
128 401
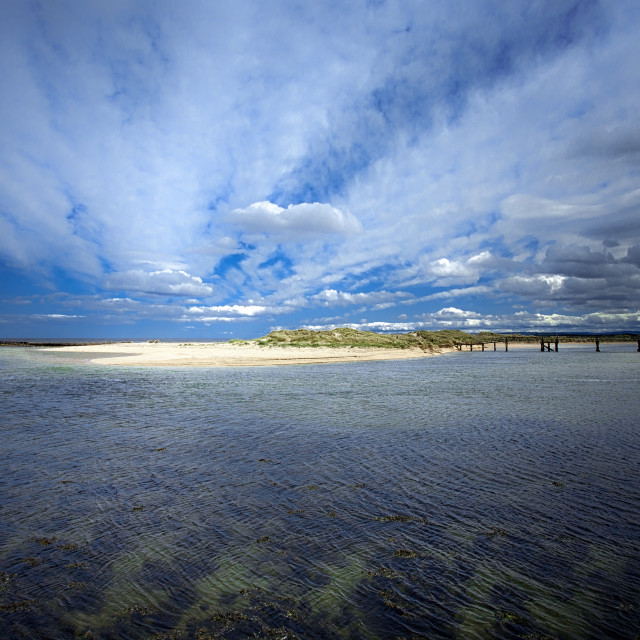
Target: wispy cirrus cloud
165 282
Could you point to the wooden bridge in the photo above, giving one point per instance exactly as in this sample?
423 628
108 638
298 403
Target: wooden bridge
459 345
545 344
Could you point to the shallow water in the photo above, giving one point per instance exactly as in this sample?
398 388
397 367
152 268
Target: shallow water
473 495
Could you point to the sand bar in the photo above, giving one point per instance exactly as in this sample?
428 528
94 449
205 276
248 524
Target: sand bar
225 354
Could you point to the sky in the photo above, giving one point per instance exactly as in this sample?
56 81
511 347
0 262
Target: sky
200 170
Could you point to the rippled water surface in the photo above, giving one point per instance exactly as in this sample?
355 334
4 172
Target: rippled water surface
473 495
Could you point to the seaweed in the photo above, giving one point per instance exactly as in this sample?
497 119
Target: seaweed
405 553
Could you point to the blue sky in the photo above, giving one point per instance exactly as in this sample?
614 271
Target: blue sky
219 169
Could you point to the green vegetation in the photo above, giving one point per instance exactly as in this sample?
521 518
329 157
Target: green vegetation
347 337
425 340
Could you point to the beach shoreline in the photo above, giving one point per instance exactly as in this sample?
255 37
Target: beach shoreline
227 354
253 354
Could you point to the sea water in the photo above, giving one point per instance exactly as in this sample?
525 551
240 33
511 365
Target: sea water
471 495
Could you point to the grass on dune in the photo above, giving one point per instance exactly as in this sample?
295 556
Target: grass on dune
347 337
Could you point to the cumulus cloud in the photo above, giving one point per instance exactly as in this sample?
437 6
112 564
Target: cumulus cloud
296 222
532 286
453 312
330 297
452 271
165 282
232 309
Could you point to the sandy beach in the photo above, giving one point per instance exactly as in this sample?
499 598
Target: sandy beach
225 354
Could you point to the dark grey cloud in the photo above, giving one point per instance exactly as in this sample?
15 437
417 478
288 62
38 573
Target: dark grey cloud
578 278
619 223
578 261
633 255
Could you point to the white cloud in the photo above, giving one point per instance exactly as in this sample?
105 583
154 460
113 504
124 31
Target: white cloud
481 258
532 286
452 271
234 309
55 316
165 282
525 321
296 222
210 319
330 297
453 312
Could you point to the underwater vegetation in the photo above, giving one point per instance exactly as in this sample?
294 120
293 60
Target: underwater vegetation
406 576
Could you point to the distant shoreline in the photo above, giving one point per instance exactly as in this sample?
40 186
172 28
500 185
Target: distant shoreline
346 337
305 346
57 343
